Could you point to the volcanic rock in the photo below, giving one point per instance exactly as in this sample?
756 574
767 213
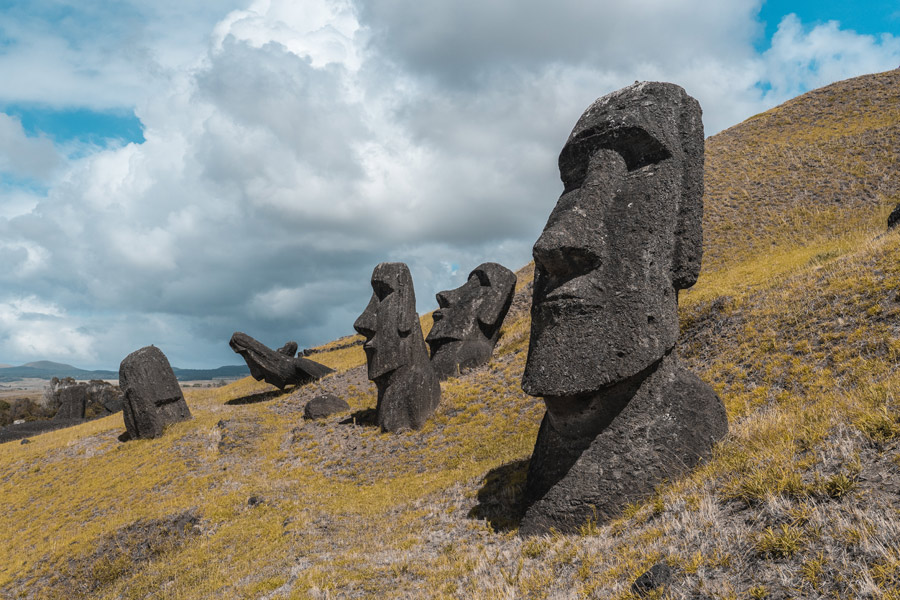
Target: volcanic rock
152 397
467 324
277 367
408 388
324 405
624 237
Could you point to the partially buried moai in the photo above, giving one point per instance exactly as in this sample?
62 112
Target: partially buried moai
467 324
152 398
622 414
277 367
408 388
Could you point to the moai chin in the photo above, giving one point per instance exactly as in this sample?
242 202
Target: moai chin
408 388
467 324
624 237
152 398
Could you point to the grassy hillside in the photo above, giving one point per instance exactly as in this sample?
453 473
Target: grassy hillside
794 321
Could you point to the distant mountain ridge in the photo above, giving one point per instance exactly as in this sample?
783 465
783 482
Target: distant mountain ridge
45 369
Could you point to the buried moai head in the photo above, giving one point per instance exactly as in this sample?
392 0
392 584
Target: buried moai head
624 237
467 324
389 321
152 398
408 389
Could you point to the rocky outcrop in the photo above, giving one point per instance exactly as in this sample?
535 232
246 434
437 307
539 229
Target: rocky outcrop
408 388
277 367
622 414
152 396
467 324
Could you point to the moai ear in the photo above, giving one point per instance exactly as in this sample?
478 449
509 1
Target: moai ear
502 286
688 250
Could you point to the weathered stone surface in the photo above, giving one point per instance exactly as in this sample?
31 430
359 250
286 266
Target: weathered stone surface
408 388
624 237
277 367
894 217
467 324
658 576
152 398
289 349
324 405
79 400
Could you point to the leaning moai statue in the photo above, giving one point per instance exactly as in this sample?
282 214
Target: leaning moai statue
467 324
622 413
408 388
277 367
152 398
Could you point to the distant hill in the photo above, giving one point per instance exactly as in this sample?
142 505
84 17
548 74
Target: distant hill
45 369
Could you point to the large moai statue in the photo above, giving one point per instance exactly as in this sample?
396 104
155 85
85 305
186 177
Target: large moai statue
622 413
151 394
408 388
467 324
277 367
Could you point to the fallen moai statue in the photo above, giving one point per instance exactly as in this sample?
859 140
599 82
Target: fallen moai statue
622 414
151 394
467 324
408 388
277 367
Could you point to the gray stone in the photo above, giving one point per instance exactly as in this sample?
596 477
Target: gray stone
624 237
894 217
277 367
467 324
152 397
658 576
72 401
324 405
408 388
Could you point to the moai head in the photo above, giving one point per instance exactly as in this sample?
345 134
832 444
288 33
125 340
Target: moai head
624 237
389 320
467 324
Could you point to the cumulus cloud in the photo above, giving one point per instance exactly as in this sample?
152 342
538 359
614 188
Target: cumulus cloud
308 141
23 156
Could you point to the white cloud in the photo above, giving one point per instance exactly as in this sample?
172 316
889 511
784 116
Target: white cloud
803 58
24 156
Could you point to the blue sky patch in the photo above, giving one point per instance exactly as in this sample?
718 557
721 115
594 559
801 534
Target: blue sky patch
872 17
78 124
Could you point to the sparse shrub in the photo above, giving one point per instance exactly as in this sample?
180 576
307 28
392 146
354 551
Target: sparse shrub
779 542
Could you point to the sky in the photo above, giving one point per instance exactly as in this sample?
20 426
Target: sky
172 172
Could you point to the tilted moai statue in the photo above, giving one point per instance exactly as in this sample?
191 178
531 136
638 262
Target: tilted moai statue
408 388
467 324
152 398
624 237
277 367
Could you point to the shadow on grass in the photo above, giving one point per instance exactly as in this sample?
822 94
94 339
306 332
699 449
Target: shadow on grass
500 499
258 397
365 417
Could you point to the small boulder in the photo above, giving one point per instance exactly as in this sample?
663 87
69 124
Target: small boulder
894 217
324 405
657 576
152 396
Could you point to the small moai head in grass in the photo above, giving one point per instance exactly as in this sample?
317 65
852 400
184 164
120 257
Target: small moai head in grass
467 324
624 237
